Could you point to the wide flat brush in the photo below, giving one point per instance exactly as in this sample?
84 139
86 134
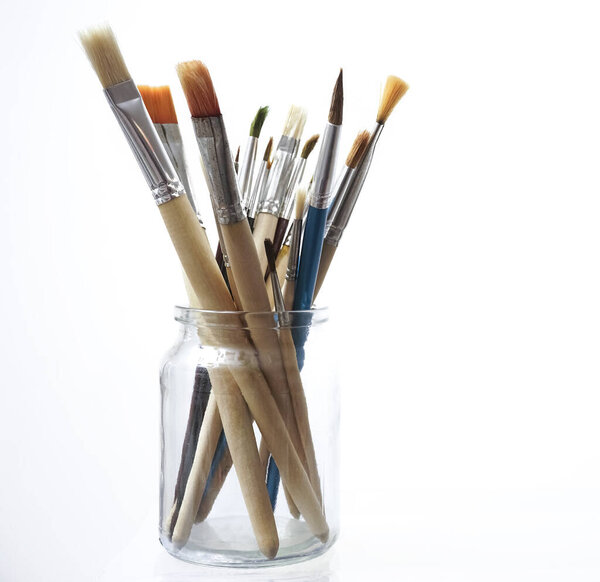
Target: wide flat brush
212 141
394 90
192 247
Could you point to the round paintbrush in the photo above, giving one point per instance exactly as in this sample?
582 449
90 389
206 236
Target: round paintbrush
394 90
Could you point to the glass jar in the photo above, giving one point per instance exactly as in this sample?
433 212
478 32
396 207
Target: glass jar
235 388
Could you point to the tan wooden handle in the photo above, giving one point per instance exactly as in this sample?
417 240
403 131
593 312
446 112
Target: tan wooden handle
326 258
264 227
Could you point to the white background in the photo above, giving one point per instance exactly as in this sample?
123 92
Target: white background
467 285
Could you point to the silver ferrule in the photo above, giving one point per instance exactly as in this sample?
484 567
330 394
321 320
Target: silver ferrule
247 169
127 105
288 202
218 169
282 315
295 234
339 192
325 170
279 176
259 185
343 212
170 136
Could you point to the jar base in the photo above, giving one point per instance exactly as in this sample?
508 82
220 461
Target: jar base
211 543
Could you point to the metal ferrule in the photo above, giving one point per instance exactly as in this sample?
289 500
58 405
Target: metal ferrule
295 234
295 180
218 169
279 176
259 185
325 171
170 136
339 192
247 169
128 107
339 219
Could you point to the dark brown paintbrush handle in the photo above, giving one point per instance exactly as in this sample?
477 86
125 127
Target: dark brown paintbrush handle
200 394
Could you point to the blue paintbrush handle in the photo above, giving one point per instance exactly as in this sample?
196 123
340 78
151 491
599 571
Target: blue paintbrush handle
312 245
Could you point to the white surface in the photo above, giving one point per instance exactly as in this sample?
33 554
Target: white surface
472 381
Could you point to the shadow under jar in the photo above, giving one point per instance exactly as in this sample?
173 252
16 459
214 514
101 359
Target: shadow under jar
249 438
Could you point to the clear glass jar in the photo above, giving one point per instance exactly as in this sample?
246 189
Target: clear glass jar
240 371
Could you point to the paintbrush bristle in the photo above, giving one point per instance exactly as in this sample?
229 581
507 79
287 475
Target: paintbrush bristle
237 156
300 202
268 150
309 146
159 103
105 56
358 149
257 123
300 123
392 93
270 252
198 89
336 111
296 116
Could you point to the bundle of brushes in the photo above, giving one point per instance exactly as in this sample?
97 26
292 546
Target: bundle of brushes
267 263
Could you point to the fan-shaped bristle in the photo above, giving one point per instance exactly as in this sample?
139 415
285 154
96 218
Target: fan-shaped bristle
309 146
198 89
392 93
300 202
159 103
295 116
103 51
358 149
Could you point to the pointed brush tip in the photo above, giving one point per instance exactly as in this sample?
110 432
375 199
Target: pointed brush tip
336 111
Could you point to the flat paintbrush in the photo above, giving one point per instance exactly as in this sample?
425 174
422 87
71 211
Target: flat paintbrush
191 244
394 90
160 107
212 141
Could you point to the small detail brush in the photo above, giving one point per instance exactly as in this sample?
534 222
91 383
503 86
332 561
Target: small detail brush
246 170
297 175
394 90
279 180
289 286
260 184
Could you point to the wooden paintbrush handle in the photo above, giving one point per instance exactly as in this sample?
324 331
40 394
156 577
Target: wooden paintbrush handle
326 257
218 480
194 252
264 227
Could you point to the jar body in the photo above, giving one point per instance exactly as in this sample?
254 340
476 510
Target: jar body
211 485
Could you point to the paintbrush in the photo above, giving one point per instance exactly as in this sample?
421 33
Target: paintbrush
160 107
192 247
246 171
346 176
394 90
279 180
316 218
260 185
289 286
247 274
296 179
236 161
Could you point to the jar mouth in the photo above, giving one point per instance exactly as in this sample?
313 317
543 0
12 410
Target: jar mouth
249 319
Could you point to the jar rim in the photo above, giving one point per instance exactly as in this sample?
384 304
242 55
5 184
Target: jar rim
215 318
